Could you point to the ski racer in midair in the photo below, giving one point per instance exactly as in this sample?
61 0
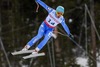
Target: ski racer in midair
55 17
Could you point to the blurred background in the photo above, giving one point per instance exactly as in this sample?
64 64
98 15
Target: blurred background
19 22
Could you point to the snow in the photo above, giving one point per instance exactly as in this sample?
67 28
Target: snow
70 20
84 62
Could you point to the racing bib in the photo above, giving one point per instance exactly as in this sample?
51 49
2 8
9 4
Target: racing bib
52 20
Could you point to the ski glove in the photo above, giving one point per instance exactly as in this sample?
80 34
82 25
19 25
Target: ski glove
71 36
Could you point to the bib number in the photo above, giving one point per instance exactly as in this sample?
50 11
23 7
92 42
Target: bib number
51 22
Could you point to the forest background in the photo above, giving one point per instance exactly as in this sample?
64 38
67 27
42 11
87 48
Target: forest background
19 22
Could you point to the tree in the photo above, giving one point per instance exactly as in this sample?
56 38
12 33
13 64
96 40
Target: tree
93 35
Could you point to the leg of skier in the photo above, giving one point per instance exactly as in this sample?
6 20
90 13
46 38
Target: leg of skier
43 42
36 38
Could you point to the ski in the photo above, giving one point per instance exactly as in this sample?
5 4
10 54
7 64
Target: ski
33 55
22 52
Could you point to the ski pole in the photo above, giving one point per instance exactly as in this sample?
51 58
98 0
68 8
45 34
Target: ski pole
77 45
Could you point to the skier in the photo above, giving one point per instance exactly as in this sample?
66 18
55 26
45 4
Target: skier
54 18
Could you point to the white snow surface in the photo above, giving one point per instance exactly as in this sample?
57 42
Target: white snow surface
84 62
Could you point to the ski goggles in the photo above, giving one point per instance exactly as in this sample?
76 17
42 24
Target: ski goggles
59 13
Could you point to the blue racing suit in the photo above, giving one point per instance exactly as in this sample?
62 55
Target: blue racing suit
47 26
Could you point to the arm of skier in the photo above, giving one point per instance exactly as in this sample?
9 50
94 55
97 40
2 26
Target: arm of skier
65 27
49 9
